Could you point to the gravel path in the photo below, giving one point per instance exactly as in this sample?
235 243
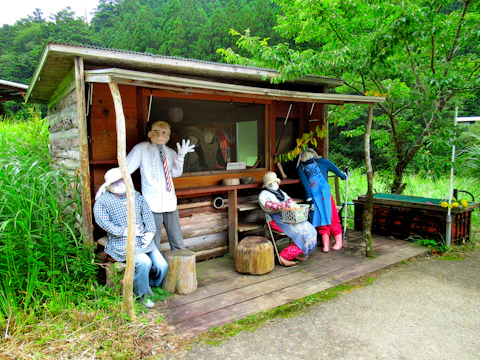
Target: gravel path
427 309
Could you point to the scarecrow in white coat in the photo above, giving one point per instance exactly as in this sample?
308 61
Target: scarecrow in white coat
304 236
158 165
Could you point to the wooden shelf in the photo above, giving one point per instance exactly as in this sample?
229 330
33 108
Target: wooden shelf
104 162
248 206
250 226
223 188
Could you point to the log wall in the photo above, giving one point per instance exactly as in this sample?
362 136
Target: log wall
63 126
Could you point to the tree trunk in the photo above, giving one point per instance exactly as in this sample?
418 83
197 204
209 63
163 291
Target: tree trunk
254 256
131 221
182 275
368 210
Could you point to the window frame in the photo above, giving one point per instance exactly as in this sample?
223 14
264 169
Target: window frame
146 93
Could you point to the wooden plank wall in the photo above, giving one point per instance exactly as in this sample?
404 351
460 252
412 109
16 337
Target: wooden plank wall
205 228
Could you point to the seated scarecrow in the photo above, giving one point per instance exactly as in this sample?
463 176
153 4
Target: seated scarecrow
110 212
304 236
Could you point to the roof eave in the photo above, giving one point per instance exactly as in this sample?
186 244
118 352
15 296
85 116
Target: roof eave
187 85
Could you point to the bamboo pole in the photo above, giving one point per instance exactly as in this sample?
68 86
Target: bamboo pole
131 221
448 235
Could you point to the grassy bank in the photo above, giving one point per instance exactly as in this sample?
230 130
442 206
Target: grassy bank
50 302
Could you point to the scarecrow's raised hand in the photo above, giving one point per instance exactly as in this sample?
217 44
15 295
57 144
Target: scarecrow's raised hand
185 148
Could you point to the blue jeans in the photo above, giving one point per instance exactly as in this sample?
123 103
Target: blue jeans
150 269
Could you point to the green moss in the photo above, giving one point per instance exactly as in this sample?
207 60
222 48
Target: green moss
222 333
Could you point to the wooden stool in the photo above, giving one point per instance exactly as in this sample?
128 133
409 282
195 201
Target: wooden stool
115 272
254 256
181 277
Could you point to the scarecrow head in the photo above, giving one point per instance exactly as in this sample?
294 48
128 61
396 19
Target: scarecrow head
159 133
114 182
271 181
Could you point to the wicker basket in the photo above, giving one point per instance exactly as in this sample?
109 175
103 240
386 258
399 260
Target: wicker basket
295 215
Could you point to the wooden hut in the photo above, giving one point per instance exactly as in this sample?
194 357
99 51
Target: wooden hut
11 90
235 113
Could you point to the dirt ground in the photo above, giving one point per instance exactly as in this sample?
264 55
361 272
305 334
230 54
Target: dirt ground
426 309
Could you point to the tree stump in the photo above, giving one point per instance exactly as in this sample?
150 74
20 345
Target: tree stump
181 277
254 256
114 274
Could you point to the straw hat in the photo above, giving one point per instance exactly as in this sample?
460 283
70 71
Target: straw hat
269 178
112 175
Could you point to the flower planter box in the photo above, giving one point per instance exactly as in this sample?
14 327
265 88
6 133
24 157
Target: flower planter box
402 216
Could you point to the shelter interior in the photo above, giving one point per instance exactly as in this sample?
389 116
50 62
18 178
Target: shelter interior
229 131
237 117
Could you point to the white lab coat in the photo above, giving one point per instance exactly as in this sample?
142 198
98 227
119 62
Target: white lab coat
146 156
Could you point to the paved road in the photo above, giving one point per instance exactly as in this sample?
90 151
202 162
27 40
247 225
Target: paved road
427 309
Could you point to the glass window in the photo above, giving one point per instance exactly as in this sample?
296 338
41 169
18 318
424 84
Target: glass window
223 132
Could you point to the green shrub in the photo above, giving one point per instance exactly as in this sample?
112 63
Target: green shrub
43 258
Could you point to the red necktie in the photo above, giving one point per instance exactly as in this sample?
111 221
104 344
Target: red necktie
168 177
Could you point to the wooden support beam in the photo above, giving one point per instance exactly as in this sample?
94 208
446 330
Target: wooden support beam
232 222
83 145
131 221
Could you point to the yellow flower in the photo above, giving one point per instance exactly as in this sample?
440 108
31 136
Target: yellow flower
464 203
455 204
444 204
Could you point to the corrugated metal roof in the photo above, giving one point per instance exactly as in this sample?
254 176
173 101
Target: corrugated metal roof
57 60
10 90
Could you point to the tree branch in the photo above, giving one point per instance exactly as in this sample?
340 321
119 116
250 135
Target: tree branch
454 48
412 66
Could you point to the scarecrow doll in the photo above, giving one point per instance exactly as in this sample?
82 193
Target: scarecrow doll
110 212
304 236
158 166
313 173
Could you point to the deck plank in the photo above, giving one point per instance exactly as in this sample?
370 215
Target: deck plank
248 287
224 296
223 282
253 306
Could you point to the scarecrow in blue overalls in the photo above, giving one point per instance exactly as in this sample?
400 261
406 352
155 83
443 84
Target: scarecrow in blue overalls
313 173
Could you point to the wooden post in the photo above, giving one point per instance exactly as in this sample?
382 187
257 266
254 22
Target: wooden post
131 221
254 256
83 147
181 277
368 210
232 222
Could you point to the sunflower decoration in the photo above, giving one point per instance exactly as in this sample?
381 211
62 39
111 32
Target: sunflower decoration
455 204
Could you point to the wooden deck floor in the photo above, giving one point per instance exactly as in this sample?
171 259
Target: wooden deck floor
224 296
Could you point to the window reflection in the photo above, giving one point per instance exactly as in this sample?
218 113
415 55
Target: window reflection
223 132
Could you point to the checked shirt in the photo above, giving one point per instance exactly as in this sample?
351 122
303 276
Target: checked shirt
110 214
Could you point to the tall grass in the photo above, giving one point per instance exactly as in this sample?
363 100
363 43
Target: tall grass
42 256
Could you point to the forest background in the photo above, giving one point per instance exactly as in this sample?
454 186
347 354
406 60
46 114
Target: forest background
210 30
